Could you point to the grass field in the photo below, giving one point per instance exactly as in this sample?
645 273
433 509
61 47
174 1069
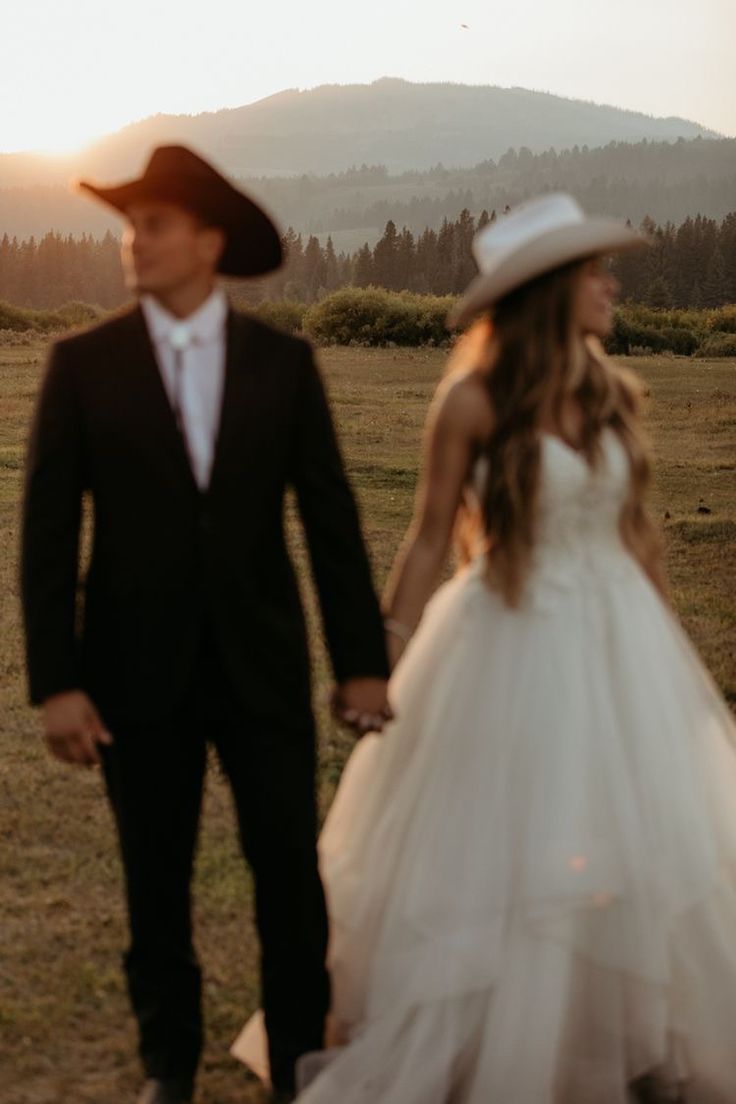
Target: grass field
65 1031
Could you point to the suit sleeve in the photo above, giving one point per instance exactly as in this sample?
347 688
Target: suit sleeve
350 609
50 533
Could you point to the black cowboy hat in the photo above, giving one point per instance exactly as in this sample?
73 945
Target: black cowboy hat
175 174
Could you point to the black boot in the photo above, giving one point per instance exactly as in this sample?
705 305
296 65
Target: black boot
166 1091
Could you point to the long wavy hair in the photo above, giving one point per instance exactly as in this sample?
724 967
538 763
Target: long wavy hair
531 361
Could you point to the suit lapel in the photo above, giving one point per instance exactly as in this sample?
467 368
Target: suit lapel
239 381
153 410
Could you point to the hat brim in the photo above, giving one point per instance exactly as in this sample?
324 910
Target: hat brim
253 246
552 250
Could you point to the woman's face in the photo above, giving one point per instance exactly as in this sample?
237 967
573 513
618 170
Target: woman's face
595 292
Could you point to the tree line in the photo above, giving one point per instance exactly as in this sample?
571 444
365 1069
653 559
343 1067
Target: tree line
690 265
58 269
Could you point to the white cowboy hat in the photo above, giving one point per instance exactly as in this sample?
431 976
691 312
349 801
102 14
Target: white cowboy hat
534 238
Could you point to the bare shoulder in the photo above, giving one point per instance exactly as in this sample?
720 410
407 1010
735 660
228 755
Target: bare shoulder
462 402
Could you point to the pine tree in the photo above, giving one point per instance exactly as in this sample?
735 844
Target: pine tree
464 266
445 252
27 274
110 272
425 262
291 245
6 263
331 272
727 245
315 269
658 293
363 267
405 258
385 271
344 270
293 273
714 284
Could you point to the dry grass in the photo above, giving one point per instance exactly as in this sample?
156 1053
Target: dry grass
65 1031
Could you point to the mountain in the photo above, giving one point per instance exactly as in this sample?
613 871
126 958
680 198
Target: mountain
391 122
292 151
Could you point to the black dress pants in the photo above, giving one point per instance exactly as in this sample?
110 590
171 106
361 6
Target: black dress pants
154 775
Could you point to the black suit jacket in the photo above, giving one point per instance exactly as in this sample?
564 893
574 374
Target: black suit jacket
167 557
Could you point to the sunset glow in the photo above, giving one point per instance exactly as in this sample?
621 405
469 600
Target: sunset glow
67 75
35 135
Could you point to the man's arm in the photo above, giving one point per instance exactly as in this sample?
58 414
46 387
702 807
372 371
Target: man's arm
350 609
52 505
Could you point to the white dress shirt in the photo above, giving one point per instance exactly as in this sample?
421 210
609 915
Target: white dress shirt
201 340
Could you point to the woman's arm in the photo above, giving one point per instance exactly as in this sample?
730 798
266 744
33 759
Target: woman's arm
459 420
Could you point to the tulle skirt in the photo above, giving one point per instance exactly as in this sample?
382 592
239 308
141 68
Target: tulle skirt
531 875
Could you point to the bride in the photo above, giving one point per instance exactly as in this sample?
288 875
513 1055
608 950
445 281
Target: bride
531 876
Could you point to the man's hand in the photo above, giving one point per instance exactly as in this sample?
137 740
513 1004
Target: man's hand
73 728
362 703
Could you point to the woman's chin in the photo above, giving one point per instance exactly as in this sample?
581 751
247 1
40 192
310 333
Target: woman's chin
601 328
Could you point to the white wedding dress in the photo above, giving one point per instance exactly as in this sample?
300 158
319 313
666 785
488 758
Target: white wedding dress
531 876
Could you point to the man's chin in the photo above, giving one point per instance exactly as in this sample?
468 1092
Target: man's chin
144 283
141 286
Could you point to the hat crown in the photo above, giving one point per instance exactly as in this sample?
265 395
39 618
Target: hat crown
177 161
524 224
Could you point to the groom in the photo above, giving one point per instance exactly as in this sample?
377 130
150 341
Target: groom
185 423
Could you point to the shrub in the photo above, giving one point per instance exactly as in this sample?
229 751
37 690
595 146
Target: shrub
651 317
679 340
432 318
285 315
20 319
641 351
618 341
722 319
700 322
17 338
719 345
628 334
678 332
373 316
78 314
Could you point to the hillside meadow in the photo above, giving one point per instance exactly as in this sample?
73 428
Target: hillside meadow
65 1030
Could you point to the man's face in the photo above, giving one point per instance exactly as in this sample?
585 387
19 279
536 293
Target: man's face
165 248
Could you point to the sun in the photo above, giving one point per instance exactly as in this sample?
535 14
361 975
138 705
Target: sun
56 141
32 128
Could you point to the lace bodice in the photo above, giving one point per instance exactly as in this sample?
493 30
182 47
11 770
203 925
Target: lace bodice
579 507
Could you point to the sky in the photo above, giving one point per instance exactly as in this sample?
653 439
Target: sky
72 71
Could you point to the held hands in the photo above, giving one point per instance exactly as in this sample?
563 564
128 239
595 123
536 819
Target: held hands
362 704
73 728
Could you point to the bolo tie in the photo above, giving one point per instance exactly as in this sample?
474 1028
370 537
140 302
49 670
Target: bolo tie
180 338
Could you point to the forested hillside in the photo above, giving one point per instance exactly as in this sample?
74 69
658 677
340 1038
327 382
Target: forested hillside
664 181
